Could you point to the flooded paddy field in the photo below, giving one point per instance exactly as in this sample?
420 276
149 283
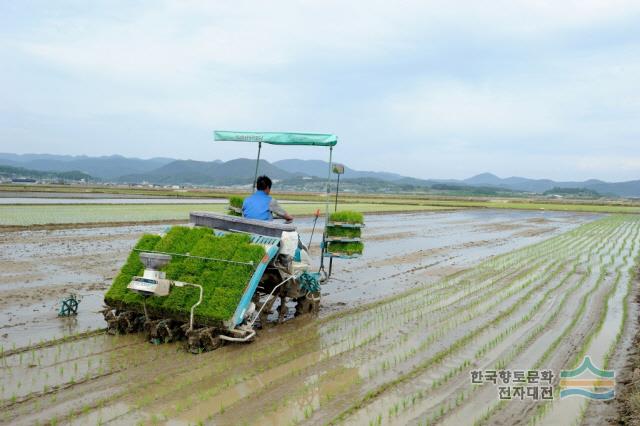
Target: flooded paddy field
435 296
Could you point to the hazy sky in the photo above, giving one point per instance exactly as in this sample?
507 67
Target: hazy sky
438 89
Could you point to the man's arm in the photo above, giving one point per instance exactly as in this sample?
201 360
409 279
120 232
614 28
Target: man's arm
276 210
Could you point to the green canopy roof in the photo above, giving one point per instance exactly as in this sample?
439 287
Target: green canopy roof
277 138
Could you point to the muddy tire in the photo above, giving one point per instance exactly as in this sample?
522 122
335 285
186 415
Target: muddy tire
163 331
123 322
308 305
203 340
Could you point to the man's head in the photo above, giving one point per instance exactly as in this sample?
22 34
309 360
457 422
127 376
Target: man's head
263 184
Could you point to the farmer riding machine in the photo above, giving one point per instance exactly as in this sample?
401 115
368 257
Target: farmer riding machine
220 277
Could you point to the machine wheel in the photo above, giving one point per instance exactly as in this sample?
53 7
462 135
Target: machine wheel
203 340
283 309
163 331
122 322
308 304
69 307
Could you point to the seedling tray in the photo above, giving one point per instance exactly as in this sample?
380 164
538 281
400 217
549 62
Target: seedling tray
224 283
342 255
343 240
237 210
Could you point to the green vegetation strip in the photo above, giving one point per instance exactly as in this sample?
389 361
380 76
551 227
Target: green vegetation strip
338 231
345 248
25 215
347 216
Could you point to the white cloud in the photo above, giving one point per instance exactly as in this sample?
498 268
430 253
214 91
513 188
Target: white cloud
478 82
172 38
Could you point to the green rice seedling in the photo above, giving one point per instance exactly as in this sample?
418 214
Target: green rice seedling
347 216
341 231
345 248
223 282
235 202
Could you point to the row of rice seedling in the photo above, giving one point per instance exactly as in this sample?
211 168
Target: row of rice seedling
604 271
415 301
384 319
467 313
597 248
449 373
533 335
597 344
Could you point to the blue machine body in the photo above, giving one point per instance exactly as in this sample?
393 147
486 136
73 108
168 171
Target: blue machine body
238 316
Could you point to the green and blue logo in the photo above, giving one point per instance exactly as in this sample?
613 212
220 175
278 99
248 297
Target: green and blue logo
588 381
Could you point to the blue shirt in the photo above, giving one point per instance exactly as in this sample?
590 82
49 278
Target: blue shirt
257 206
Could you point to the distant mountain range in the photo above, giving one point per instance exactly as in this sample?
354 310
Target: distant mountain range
319 168
109 167
12 172
623 189
291 172
233 172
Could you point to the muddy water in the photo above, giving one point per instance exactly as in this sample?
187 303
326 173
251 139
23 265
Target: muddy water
404 250
405 360
40 268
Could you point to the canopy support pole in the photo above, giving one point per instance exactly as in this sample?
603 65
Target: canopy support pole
326 218
328 185
337 192
255 175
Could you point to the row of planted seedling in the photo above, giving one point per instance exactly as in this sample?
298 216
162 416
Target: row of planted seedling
448 374
522 321
576 317
419 315
539 328
617 269
383 315
579 313
465 313
421 297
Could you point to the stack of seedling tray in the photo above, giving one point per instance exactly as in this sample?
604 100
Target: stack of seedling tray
344 235
235 206
223 283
